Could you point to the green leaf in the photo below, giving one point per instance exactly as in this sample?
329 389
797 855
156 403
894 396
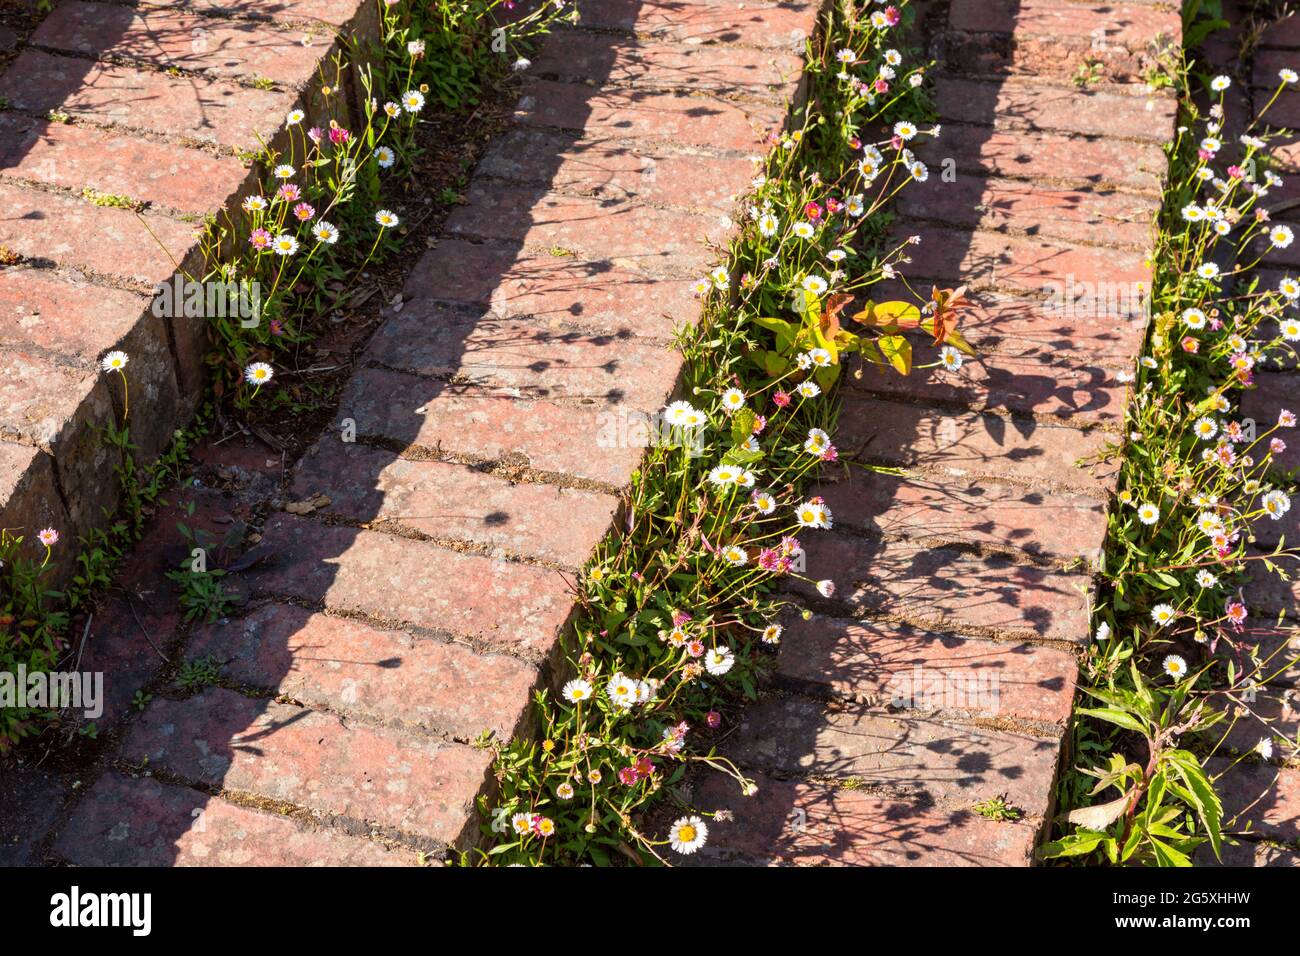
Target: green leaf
1119 718
898 351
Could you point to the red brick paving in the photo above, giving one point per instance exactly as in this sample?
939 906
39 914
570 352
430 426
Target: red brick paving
974 563
409 632
406 591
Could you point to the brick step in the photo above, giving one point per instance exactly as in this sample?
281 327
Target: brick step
391 678
1267 594
1276 643
1042 524
139 821
1259 798
894 666
1081 325
577 56
1274 392
619 170
1273 715
796 823
652 240
1084 216
657 117
974 445
1245 853
987 260
316 13
54 229
941 587
1056 37
187 109
167 39
75 157
413 786
1020 104
763 24
455 503
586 443
1018 384
499 605
528 358
952 765
597 295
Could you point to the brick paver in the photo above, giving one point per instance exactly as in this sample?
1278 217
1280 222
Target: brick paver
405 591
887 728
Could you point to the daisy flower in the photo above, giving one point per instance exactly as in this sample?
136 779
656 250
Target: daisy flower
818 441
284 171
1276 504
723 475
412 101
772 634
325 232
114 361
1162 614
735 556
1205 579
804 230
254 204
1175 666
386 219
385 157
259 373
768 225
1194 319
1206 428
719 660
1281 236
826 588
577 690
284 244
48 537
813 514
950 358
763 502
1148 513
621 691
294 118
687 835
808 389
733 400
564 791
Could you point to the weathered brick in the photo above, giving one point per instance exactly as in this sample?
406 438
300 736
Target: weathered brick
45 312
783 25
29 501
534 520
1273 715
1260 797
944 588
645 238
1084 325
1268 62
141 822
387 677
76 157
276 751
673 117
1054 37
1283 33
850 828
1277 646
126 644
529 358
618 171
947 762
32 800
1093 166
880 664
594 295
988 260
60 410
334 12
1002 205
1016 104
169 38
1267 593
210 111
498 603
973 445
573 55
49 228
1273 393
586 442
1012 383
1045 524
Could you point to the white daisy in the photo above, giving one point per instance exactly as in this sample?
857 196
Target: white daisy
386 218
1148 513
688 834
719 660
1175 666
259 373
413 101
114 361
1162 614
577 690
811 514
